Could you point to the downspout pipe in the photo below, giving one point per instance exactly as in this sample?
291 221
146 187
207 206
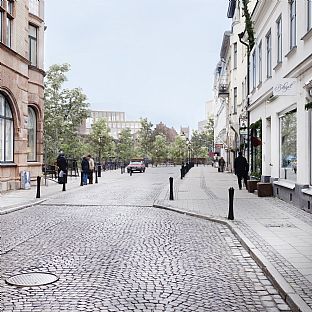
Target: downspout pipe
240 36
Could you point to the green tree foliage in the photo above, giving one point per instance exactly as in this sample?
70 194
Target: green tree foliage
101 142
178 150
145 138
125 147
64 111
248 25
160 149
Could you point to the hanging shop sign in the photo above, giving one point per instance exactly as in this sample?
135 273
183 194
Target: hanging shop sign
285 87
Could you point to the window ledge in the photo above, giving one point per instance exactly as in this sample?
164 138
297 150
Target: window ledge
284 183
308 35
7 164
278 66
307 191
291 51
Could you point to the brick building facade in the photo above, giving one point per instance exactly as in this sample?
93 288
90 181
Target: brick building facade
21 90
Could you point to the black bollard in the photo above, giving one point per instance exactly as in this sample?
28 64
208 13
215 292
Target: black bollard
96 177
130 172
99 170
171 188
38 187
121 170
181 173
81 180
64 182
231 198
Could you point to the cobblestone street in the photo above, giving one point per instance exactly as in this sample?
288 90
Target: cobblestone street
113 251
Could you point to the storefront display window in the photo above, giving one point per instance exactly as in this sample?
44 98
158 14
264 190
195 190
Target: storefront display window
288 146
256 148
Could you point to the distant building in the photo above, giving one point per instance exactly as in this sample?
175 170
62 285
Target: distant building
185 131
116 122
201 125
21 91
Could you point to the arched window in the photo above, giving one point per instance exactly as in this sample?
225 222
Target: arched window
32 138
6 131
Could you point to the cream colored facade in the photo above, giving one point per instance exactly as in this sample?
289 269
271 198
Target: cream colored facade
116 122
21 90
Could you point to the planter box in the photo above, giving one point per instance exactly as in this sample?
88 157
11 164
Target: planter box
252 185
264 189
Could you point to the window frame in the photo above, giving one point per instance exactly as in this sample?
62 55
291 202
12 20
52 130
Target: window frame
268 39
31 40
260 62
292 24
254 69
234 100
31 111
6 120
279 40
235 55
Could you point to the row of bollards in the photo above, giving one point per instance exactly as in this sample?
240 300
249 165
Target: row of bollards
186 168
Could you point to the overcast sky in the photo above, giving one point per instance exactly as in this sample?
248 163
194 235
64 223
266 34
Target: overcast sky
148 58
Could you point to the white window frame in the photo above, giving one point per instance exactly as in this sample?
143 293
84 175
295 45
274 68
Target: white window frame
235 55
292 24
309 15
235 100
254 69
260 62
279 40
268 39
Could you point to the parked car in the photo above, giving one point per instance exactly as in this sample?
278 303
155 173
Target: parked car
136 166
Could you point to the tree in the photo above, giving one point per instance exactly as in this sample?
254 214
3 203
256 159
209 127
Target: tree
145 138
179 149
125 145
101 140
160 149
248 25
64 111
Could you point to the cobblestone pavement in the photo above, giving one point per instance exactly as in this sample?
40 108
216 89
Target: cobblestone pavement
117 253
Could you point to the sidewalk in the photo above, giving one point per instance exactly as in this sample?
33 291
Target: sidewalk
276 234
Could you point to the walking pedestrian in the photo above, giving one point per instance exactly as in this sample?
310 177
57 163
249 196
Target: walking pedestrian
91 169
221 164
241 169
62 164
85 170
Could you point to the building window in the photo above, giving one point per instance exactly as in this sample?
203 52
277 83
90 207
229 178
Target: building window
288 146
10 7
268 39
34 7
254 70
260 61
235 55
32 135
9 32
309 17
6 22
292 22
235 101
6 131
1 26
33 32
310 111
279 39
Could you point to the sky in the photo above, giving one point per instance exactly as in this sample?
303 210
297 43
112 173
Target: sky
147 58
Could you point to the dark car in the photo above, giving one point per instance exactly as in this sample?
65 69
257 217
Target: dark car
136 166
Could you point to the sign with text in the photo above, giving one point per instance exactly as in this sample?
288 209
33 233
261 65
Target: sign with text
286 86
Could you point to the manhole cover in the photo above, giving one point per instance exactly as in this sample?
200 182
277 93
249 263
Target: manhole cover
32 279
279 225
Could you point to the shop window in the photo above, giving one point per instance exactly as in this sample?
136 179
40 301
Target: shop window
6 131
32 137
256 147
288 146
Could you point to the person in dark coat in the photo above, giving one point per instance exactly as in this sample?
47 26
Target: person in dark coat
221 164
62 164
241 168
85 170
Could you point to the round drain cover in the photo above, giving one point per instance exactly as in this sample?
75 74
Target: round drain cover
32 279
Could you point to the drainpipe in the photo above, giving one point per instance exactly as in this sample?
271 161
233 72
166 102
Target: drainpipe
240 36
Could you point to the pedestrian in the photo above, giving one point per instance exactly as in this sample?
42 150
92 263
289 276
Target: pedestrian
62 164
91 169
241 169
221 164
85 170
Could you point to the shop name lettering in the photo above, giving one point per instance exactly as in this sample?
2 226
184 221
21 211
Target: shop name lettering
284 87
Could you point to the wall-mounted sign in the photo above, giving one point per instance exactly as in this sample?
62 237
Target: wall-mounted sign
286 86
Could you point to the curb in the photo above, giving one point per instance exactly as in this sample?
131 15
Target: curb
16 208
295 302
